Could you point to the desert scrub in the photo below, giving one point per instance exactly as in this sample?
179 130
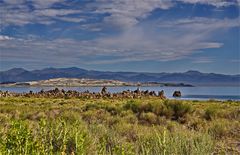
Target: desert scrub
131 105
164 143
17 139
178 108
44 138
171 109
118 126
148 118
210 113
110 144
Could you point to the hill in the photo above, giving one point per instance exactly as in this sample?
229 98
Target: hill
189 77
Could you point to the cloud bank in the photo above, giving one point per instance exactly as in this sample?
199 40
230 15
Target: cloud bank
135 37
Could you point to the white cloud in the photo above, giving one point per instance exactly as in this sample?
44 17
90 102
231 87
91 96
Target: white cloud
4 38
121 13
59 14
216 3
124 13
200 26
120 21
202 60
133 44
42 4
56 12
127 13
160 40
19 13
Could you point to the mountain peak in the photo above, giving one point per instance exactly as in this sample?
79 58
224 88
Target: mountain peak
74 69
16 70
193 72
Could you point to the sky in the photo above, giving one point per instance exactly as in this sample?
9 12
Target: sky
121 35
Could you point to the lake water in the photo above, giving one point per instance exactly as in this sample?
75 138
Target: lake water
189 93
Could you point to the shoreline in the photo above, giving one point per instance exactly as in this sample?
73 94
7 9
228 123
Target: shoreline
60 92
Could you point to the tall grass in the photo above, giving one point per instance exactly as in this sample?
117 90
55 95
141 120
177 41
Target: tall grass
61 138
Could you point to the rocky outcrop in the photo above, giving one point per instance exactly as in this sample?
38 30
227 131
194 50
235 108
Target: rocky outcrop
177 94
57 93
161 94
104 90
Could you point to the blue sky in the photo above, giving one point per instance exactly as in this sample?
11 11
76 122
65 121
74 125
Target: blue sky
121 35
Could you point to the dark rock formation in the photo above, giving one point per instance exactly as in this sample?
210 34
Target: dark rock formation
57 93
137 91
104 90
177 94
161 94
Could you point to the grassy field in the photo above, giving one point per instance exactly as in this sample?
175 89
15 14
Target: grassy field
118 126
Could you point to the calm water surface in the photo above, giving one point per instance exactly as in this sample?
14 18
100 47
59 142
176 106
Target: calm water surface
192 93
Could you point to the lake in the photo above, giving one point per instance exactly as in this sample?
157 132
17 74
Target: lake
188 93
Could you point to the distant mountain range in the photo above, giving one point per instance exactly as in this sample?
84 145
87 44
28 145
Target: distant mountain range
189 77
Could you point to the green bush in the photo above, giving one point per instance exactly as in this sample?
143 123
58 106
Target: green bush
131 105
145 107
209 113
45 138
91 106
148 118
113 110
167 112
18 140
218 130
178 108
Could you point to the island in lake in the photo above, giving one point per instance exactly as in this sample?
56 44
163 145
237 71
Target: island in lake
79 82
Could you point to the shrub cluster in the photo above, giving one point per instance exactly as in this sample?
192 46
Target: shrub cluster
173 109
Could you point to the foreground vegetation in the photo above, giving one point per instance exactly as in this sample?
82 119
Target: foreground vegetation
147 126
